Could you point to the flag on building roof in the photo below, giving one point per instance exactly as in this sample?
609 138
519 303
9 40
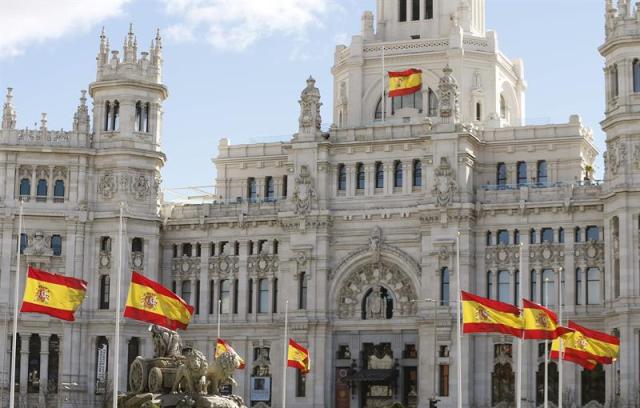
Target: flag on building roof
148 301
298 357
405 82
52 294
481 315
224 347
540 322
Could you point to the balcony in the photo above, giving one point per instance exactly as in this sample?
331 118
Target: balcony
539 192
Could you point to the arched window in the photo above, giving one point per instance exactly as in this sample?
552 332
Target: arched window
488 239
593 233
413 101
428 9
478 111
142 117
636 75
378 113
561 235
516 287
503 107
105 289
444 286
225 296
532 236
302 291
489 284
136 245
25 187
269 189
115 116
105 244
397 173
502 384
360 176
593 286
501 174
614 81
263 295
516 237
186 249
579 290
24 242
552 387
377 304
56 245
379 175
577 234
593 386
417 173
548 288
41 190
504 286
58 191
503 237
546 235
415 10
402 10
138 120
342 177
522 173
186 291
102 364
432 103
33 376
252 190
533 290
541 173
107 115
145 117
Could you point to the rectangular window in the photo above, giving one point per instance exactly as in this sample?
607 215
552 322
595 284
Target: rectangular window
263 295
561 235
579 291
415 10
284 186
212 287
444 286
522 173
534 287
516 237
274 300
501 174
503 286
503 237
402 10
428 9
302 295
250 297
198 297
235 296
444 380
532 236
225 296
489 284
593 233
516 288
301 384
546 235
593 286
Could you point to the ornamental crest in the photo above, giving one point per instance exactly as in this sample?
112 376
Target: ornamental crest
636 156
582 343
149 301
304 192
615 157
446 186
43 294
480 313
141 187
107 186
39 245
449 95
542 320
310 103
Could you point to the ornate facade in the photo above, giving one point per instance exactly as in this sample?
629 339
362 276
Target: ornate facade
352 229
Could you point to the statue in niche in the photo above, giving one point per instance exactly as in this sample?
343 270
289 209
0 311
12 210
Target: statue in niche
376 304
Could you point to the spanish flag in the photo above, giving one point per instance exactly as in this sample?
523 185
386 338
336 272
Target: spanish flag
481 315
540 322
298 357
591 344
405 82
224 347
148 301
51 294
568 340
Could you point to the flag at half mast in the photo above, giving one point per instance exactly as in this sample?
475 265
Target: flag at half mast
482 315
224 347
405 82
52 294
150 302
570 340
298 357
539 322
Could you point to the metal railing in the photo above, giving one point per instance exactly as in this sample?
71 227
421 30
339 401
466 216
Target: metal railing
581 183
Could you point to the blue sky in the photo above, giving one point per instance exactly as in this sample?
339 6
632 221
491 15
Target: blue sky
235 68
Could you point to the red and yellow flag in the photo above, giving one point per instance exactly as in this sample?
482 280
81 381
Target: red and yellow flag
481 315
591 344
540 322
405 82
298 357
52 294
567 338
224 347
148 301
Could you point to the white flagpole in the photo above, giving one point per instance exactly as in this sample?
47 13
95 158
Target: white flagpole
519 369
219 312
12 385
116 374
459 339
383 100
286 349
546 349
560 322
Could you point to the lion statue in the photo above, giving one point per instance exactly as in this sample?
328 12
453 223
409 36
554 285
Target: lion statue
220 372
191 373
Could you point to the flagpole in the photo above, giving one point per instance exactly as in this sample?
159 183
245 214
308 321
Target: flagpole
459 313
519 369
12 386
219 311
560 322
286 348
546 349
383 100
116 367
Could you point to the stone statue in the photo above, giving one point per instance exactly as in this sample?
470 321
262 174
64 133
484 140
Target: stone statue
376 305
179 377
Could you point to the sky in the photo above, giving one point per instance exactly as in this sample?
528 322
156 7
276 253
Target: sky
235 68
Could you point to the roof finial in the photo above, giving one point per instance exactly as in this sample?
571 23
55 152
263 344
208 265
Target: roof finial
8 111
130 28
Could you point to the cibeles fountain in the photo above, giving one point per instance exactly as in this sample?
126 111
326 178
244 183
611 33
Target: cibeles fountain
179 377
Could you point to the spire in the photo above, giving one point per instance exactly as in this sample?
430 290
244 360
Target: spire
8 111
130 48
310 119
103 53
81 117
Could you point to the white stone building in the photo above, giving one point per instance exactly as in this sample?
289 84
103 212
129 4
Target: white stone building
354 227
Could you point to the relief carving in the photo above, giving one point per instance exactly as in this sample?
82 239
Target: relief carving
446 186
262 265
107 186
615 157
304 192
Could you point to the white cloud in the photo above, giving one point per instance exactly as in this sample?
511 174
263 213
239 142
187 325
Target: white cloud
23 22
237 24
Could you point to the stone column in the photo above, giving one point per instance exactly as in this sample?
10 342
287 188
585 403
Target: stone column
204 283
44 367
351 185
388 178
407 177
24 363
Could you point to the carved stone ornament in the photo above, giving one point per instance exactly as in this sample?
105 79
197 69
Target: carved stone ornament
304 193
449 96
503 256
107 186
376 275
310 106
105 260
224 265
636 156
446 186
302 258
141 187
137 261
589 254
262 265
185 266
546 255
39 245
615 157
375 243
